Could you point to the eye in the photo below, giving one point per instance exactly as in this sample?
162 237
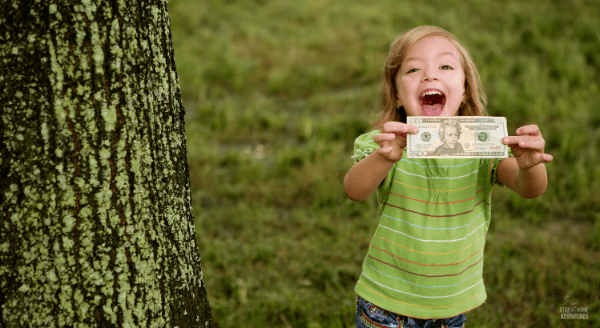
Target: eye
448 67
412 70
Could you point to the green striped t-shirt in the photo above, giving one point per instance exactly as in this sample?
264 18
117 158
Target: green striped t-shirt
426 257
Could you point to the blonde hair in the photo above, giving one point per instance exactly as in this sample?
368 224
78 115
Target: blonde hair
475 99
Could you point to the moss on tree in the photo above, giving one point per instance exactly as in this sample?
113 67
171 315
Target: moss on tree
95 211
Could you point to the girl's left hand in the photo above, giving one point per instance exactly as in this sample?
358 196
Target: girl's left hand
528 147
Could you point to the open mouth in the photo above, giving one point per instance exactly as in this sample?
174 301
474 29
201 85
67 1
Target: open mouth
432 102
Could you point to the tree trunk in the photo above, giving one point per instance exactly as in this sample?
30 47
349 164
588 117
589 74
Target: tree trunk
97 228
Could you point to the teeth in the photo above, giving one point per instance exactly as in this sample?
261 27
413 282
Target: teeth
430 93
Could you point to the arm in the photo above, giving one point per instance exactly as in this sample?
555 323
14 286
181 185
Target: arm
525 173
364 177
529 183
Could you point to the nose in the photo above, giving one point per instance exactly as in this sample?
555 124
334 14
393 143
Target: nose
430 75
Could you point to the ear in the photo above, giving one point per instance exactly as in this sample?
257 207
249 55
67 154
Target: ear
398 102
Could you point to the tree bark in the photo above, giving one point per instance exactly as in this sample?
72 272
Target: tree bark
97 228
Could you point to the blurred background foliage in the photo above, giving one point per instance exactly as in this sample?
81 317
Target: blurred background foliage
277 91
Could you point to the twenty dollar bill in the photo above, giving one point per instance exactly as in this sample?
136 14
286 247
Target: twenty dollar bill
457 137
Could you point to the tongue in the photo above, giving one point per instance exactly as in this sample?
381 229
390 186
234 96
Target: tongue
431 110
432 105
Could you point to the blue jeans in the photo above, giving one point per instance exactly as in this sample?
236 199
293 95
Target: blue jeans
372 316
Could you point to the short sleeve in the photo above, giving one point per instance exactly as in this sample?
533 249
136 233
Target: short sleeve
364 145
494 169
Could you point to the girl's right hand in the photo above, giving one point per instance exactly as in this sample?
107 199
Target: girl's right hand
392 140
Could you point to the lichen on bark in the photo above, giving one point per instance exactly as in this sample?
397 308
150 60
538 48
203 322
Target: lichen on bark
96 225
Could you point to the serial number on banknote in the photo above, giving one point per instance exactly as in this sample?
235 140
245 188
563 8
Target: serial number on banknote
457 137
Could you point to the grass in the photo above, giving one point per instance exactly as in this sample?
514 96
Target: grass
275 94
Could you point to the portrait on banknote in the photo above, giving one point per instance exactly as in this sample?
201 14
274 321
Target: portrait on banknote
449 134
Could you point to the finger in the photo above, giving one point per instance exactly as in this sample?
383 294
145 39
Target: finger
511 140
383 138
532 130
387 142
399 127
529 143
412 129
541 158
525 141
386 149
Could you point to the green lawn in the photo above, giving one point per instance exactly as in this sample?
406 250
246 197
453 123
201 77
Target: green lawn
276 92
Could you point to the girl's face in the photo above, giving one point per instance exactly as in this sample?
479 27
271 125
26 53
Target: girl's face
431 79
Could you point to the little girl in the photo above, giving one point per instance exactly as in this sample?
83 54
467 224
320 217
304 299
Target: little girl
425 262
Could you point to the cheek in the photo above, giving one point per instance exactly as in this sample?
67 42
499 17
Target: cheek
457 79
400 92
405 85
